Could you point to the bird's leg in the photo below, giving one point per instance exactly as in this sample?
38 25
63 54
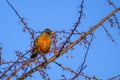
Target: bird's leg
44 57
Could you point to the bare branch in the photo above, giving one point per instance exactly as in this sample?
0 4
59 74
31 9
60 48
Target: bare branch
0 54
30 30
75 26
114 6
2 75
117 21
114 77
108 34
72 71
111 4
81 68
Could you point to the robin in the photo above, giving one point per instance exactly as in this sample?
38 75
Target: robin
42 43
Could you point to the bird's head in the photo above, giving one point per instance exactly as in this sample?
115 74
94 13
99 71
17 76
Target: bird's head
48 31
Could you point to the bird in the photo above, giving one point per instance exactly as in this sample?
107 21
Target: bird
42 43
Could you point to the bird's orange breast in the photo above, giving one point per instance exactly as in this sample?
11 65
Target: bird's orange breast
43 43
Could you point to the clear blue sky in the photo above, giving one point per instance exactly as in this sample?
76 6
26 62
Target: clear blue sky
103 59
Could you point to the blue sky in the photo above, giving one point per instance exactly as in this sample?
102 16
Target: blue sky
103 58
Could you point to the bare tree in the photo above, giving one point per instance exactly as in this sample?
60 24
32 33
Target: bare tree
24 67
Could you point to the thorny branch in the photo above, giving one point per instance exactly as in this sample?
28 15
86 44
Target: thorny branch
30 30
111 4
116 21
75 26
0 54
114 16
72 71
108 34
115 77
80 69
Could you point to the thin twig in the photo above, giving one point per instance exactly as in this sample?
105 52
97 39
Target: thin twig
111 4
114 77
114 6
54 43
0 54
117 21
108 34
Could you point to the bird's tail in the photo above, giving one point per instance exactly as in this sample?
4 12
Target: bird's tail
33 55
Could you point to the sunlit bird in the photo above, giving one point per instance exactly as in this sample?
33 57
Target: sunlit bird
42 43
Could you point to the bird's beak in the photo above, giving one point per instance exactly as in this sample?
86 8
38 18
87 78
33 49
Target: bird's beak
52 32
